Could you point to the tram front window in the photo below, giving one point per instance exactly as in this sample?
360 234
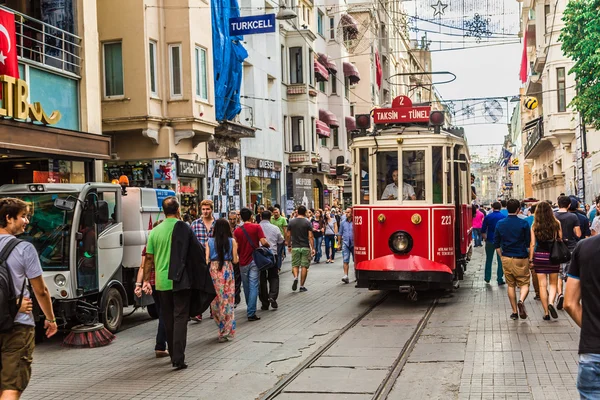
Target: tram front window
413 175
387 175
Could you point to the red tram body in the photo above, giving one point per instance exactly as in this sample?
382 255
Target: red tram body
419 240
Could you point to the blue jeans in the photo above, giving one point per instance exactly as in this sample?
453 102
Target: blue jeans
588 377
250 283
490 250
330 246
347 251
477 236
318 248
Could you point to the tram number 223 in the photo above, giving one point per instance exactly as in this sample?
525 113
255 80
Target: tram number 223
446 219
358 220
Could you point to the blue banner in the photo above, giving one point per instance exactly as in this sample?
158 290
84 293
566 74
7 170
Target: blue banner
513 167
250 25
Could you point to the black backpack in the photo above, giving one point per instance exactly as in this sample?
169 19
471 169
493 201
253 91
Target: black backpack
9 307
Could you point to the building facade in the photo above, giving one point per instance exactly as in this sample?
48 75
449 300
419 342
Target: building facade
53 135
157 93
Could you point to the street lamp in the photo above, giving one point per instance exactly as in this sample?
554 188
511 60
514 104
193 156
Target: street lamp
285 13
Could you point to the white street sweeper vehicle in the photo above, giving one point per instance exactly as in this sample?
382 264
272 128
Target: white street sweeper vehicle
90 239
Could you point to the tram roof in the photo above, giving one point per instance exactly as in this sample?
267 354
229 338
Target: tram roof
410 135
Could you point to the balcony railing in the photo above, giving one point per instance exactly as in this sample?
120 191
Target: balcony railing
534 131
46 44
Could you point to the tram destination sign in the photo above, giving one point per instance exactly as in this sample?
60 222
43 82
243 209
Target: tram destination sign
401 115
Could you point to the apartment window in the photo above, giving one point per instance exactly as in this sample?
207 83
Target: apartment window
322 87
335 135
283 74
285 134
311 72
561 89
323 141
153 68
313 124
352 110
333 80
320 17
201 74
346 87
176 74
296 73
297 133
546 15
331 28
113 69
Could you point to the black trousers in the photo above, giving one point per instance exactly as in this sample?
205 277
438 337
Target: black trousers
269 285
175 310
237 277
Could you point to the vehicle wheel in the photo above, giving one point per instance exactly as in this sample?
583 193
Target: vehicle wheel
152 311
112 314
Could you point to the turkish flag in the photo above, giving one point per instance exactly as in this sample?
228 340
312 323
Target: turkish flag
524 63
378 71
8 45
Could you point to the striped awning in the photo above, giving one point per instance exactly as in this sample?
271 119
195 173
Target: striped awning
351 72
350 26
321 73
325 60
323 129
350 123
329 118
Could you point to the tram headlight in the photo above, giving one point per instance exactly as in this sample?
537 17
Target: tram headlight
400 242
60 280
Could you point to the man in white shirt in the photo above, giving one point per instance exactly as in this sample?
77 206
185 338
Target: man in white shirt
391 190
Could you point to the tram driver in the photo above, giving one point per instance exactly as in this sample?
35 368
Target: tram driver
391 190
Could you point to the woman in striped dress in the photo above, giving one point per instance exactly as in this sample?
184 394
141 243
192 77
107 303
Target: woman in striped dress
544 231
221 251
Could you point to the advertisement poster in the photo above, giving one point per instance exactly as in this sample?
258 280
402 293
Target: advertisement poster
224 186
165 172
302 190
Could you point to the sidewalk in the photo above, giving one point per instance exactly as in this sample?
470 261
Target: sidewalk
475 351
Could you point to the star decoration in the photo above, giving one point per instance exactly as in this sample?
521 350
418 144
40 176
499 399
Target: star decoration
468 111
477 28
439 8
2 57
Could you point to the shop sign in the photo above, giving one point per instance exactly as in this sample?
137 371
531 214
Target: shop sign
259 163
191 168
334 182
324 168
165 172
16 105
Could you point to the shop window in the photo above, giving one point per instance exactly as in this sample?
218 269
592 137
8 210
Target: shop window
153 67
297 133
262 190
413 175
437 158
113 69
188 194
387 175
175 71
201 74
296 69
363 156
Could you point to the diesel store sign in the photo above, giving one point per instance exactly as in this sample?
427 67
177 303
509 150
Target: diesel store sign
257 163
191 168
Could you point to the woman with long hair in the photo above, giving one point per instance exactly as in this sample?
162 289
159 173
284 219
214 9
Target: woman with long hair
544 231
221 252
331 229
318 225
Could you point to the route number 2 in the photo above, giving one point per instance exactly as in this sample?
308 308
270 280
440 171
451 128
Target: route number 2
446 219
358 220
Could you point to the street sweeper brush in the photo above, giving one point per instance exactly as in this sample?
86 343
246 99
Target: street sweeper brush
93 335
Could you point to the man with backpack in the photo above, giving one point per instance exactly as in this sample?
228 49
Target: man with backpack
19 262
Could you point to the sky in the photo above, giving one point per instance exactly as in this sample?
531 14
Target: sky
489 70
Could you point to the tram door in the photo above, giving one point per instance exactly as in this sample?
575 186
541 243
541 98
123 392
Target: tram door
460 166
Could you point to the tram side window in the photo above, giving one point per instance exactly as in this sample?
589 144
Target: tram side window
363 155
413 175
387 175
437 158
449 176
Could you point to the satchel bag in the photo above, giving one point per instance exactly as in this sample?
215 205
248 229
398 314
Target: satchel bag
263 258
559 252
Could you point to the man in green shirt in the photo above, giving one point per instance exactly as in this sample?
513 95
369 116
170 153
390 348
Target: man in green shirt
281 222
175 305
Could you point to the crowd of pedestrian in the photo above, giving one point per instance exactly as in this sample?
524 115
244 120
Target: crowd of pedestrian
555 246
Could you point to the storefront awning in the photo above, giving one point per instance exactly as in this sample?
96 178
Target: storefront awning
31 138
328 63
321 73
350 123
350 26
351 72
323 129
329 118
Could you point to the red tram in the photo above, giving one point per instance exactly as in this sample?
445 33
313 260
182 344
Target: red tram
412 207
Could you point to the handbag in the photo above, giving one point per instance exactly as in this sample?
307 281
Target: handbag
263 258
559 252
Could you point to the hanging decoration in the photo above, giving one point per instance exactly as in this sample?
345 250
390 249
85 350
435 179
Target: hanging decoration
478 28
492 111
439 8
468 111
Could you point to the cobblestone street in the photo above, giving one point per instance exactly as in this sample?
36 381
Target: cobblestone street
469 349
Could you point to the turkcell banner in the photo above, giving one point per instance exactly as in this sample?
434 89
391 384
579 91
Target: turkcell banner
239 26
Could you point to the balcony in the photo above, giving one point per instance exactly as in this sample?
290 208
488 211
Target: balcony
46 45
534 131
302 158
540 60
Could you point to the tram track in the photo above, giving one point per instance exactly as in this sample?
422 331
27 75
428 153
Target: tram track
395 369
